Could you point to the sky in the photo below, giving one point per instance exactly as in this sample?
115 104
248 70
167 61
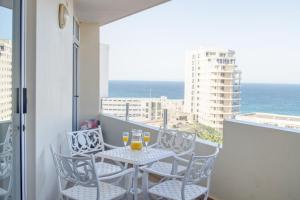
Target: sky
5 23
151 45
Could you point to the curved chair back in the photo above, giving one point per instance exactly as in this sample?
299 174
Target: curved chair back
85 141
199 168
6 165
7 145
6 161
177 141
78 170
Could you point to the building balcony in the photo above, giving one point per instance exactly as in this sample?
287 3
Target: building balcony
255 162
219 84
218 98
221 112
224 91
218 77
221 78
217 105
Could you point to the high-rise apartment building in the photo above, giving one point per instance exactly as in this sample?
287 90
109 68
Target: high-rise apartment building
212 86
5 79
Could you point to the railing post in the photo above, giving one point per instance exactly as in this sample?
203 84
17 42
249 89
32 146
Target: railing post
127 112
101 106
165 116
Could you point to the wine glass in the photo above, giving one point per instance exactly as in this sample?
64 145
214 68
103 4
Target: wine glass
146 139
125 138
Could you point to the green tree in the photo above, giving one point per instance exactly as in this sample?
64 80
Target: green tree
204 132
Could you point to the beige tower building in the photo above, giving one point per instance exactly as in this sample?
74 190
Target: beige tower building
212 86
5 80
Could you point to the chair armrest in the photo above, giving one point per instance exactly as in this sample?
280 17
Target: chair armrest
148 170
120 174
1 147
181 159
185 153
110 146
81 155
152 145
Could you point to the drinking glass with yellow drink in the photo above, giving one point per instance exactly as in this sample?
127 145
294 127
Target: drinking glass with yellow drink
146 138
125 138
136 140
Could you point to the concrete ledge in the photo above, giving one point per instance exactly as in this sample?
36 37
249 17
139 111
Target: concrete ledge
257 162
113 128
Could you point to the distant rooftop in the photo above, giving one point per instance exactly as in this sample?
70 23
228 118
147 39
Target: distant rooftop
211 49
288 121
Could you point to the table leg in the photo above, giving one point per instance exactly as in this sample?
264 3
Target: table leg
135 182
145 185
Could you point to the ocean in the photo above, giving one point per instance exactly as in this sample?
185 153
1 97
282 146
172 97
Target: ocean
270 98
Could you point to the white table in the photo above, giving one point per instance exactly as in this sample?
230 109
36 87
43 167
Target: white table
136 158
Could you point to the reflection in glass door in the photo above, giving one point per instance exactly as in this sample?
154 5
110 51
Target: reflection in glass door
11 111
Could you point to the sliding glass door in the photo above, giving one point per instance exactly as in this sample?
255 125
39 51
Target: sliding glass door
12 104
75 74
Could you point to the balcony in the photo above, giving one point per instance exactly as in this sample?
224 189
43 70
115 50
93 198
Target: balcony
255 162
225 98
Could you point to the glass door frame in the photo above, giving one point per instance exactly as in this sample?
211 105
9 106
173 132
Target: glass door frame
76 74
23 101
19 98
20 92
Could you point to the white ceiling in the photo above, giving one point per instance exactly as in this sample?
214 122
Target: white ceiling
106 11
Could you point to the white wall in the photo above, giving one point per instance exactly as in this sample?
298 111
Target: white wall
53 96
30 54
113 128
104 67
89 95
257 162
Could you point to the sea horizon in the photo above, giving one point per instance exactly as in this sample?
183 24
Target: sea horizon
277 98
263 83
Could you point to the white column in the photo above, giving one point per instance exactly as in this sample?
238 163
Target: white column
89 94
104 67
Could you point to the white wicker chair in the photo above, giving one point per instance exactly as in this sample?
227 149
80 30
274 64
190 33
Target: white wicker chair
6 159
85 142
182 143
6 145
187 187
78 179
6 162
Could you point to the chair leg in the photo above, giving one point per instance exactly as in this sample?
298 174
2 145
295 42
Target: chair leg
6 197
206 196
208 187
145 185
61 197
